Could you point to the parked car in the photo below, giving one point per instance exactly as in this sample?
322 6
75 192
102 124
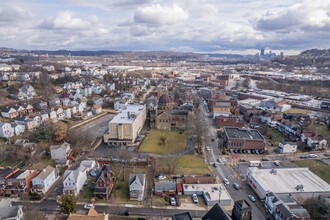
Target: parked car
220 161
303 156
172 201
89 206
251 197
226 182
207 148
276 163
312 156
194 198
265 159
215 165
236 186
326 155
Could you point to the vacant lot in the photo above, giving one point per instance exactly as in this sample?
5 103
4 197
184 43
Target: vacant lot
316 166
186 164
296 110
172 142
276 136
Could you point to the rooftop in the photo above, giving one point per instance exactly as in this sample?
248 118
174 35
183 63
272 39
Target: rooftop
128 115
241 133
211 191
182 216
287 180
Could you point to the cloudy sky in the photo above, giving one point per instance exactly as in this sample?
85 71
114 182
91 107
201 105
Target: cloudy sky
175 25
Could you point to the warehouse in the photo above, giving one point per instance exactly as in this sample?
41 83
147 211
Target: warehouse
301 183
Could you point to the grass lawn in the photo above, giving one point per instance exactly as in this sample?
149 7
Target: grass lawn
121 191
316 166
186 164
86 194
296 110
320 130
277 136
175 142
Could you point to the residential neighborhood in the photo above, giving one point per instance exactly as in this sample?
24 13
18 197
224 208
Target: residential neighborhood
159 139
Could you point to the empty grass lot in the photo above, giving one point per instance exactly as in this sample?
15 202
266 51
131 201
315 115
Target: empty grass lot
316 166
152 143
296 110
186 164
277 136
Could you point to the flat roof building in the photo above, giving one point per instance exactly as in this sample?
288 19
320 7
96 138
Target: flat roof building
243 139
301 183
212 193
125 127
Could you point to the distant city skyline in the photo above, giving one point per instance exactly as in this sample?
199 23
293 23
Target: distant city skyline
236 26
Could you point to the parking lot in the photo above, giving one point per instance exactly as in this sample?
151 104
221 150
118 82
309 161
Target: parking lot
95 128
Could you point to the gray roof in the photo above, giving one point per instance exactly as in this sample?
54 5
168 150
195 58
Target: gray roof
9 212
216 213
45 172
165 186
241 133
182 216
139 178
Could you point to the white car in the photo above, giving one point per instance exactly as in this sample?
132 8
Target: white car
207 148
172 201
226 181
194 198
89 206
251 197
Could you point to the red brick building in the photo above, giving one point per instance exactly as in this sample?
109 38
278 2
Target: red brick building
231 121
243 139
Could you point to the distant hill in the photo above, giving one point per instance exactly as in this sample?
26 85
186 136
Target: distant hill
316 53
76 52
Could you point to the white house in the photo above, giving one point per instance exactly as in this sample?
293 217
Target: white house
87 165
26 92
37 120
287 147
18 129
60 114
60 152
67 112
52 115
9 112
136 186
73 181
44 117
44 180
317 142
6 130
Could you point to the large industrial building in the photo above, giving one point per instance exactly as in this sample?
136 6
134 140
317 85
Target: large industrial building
125 127
300 183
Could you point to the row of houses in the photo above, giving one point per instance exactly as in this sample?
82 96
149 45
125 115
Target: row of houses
25 119
16 182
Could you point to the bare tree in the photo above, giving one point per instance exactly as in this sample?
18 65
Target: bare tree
197 128
171 164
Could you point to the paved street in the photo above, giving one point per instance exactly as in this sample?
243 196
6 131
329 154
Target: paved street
50 206
225 171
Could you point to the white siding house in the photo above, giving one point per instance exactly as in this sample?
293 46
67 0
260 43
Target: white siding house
44 180
6 130
73 181
60 152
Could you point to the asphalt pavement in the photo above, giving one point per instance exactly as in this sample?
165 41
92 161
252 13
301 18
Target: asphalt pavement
226 171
